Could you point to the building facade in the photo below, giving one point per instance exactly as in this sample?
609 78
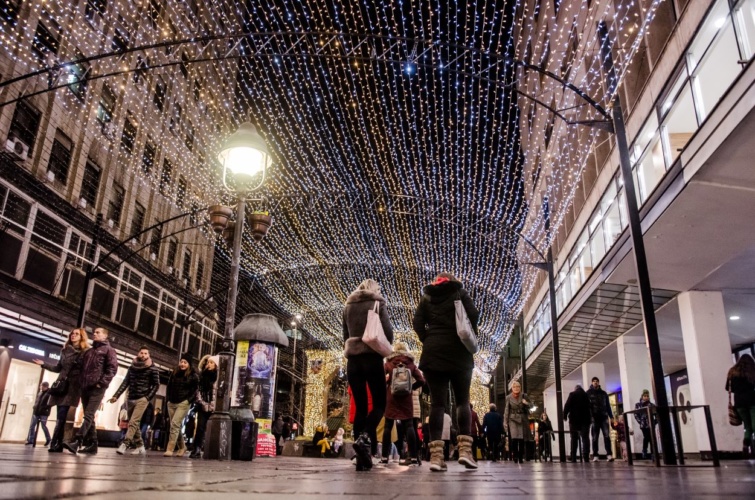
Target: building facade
688 104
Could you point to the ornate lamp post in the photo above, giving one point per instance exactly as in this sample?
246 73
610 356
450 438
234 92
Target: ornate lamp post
244 158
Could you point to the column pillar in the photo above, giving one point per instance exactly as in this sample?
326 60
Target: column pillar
707 349
549 398
634 370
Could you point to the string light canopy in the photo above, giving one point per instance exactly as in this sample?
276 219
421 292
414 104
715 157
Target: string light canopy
413 137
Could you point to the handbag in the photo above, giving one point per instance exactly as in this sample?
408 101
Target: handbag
734 418
464 328
59 387
374 336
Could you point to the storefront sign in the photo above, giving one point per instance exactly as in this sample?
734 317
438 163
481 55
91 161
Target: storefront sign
31 350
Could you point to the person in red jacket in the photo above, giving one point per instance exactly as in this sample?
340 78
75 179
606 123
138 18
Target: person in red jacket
98 367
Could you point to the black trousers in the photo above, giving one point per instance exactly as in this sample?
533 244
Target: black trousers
362 371
405 432
494 446
580 434
202 418
645 439
517 449
460 382
90 400
60 424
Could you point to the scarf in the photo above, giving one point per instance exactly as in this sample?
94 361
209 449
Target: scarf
138 364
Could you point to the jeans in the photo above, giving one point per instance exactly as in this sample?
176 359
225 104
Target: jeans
40 420
177 412
362 371
598 426
60 424
580 434
460 382
202 418
90 400
748 421
136 409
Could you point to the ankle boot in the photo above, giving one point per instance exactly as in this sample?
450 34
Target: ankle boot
362 448
73 445
196 452
89 449
181 449
465 451
169 449
437 464
56 446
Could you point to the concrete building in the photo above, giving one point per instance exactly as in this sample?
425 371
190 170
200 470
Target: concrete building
688 103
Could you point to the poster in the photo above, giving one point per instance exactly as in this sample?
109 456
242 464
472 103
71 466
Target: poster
254 387
680 395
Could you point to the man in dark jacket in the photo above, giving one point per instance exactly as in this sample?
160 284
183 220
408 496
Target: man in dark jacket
142 381
39 415
98 367
492 425
577 412
600 409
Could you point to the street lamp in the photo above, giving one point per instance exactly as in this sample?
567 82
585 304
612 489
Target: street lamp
245 158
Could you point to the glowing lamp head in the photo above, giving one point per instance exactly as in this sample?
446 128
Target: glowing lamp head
244 156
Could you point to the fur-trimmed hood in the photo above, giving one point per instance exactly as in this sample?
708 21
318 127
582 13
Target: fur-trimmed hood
396 354
364 296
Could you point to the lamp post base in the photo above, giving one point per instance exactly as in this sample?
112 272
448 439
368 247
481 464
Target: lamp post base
218 437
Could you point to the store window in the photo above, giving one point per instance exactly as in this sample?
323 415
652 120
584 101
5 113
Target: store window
167 320
679 118
647 158
148 312
744 16
129 298
103 290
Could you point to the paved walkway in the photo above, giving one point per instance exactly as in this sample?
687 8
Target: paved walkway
34 473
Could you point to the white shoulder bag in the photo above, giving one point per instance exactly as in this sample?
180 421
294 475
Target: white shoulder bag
374 336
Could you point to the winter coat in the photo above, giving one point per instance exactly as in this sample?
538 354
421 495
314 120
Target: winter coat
401 407
42 404
435 324
743 391
642 417
69 368
98 366
141 380
277 427
182 386
600 407
544 427
621 430
358 304
158 421
516 416
577 409
475 428
207 390
492 425
416 404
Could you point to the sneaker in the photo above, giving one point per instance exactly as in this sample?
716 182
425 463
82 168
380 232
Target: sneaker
595 458
121 449
610 458
139 451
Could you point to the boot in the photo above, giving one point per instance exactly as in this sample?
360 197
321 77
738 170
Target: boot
56 446
89 449
362 448
437 464
169 449
464 443
73 445
196 452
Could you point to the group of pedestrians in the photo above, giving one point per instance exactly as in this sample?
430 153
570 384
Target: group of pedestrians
444 362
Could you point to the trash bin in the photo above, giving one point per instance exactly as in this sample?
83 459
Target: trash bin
243 439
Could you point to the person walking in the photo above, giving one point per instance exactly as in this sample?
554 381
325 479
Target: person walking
740 381
403 377
148 418
364 367
600 408
642 419
445 360
39 414
158 429
142 381
277 431
475 430
492 425
123 421
577 412
515 418
68 387
544 436
206 397
98 367
181 391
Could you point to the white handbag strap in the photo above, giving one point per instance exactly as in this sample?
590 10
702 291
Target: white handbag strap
376 307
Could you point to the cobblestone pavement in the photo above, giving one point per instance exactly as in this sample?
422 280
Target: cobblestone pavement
34 473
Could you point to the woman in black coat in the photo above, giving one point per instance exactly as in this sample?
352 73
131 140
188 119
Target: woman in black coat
445 360
181 392
68 367
364 367
205 405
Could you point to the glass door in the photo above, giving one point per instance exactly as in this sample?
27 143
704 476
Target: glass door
21 391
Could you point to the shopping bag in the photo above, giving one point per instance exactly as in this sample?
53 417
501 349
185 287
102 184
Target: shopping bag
373 332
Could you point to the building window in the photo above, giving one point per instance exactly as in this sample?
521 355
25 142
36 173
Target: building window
94 10
90 185
186 274
165 176
77 76
107 105
160 93
679 118
181 192
9 11
154 242
200 275
137 222
155 9
115 205
25 124
745 19
148 158
60 157
128 138
183 67
189 138
197 90
141 69
45 252
172 252
121 38
45 43
175 120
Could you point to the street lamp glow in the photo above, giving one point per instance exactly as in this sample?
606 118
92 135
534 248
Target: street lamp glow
245 156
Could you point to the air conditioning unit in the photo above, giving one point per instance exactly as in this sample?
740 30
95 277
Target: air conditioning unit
170 270
82 203
110 223
18 149
153 256
48 176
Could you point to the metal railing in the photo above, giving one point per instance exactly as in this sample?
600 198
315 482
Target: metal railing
651 411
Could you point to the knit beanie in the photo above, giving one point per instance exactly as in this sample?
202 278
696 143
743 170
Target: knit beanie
645 392
188 357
